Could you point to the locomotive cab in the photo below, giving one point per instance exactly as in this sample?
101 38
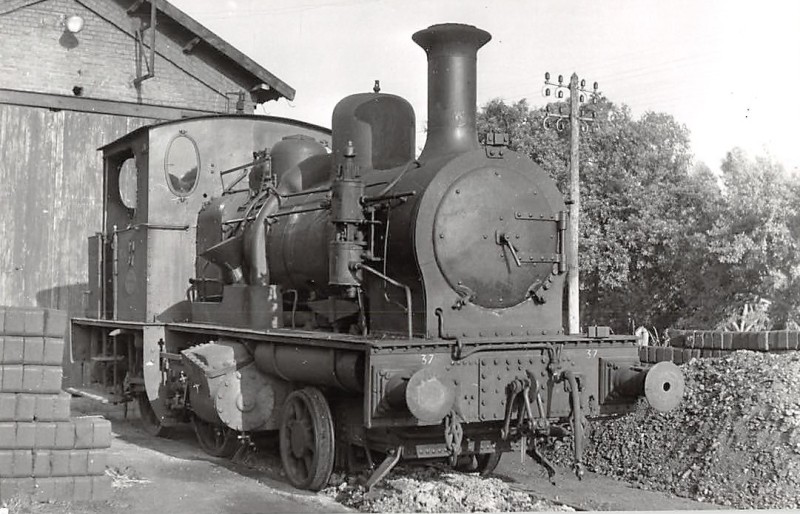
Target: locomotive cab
142 264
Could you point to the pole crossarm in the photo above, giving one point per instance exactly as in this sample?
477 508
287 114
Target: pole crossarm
558 91
562 120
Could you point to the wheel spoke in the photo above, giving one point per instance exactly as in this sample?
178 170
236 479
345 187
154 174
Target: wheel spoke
303 415
291 411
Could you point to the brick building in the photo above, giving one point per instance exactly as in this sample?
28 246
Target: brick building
75 75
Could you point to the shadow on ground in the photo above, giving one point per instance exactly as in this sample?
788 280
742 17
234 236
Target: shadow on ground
258 461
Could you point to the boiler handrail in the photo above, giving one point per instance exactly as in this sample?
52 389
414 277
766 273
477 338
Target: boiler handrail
394 283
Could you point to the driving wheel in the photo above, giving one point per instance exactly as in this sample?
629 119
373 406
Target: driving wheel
307 439
483 463
486 462
214 439
150 422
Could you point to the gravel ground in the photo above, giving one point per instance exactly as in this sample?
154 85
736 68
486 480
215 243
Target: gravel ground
436 489
734 440
411 487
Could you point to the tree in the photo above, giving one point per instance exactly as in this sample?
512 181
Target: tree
754 240
638 198
665 243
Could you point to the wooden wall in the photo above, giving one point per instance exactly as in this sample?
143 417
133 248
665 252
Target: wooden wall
50 201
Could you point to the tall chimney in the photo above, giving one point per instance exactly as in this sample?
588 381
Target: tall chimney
452 55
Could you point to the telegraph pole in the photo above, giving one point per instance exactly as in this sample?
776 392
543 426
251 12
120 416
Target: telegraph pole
577 124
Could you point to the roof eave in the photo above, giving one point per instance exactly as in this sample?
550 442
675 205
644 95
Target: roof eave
275 87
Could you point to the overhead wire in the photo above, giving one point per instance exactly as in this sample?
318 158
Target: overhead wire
215 14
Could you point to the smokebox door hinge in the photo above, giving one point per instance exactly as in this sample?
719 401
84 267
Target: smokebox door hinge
495 144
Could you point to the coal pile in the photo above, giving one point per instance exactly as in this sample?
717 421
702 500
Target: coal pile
734 441
436 489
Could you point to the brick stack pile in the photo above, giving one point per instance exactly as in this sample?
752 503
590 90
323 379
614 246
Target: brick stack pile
685 345
44 453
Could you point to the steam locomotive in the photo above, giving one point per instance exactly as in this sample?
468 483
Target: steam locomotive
259 274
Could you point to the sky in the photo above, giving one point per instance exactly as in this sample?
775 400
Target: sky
729 70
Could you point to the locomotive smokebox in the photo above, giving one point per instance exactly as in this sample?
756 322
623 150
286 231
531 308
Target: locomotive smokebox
452 96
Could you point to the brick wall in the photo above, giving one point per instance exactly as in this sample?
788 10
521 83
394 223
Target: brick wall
36 54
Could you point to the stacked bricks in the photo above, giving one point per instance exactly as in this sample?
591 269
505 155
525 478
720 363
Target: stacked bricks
685 345
45 454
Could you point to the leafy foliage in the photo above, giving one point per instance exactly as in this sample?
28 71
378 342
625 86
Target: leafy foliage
663 242
754 237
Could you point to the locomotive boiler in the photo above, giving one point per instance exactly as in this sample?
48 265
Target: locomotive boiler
362 302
